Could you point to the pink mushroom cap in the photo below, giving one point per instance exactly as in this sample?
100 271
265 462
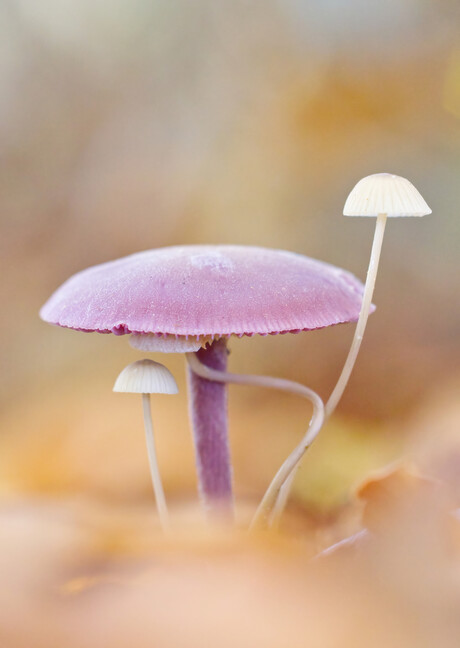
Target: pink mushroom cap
205 290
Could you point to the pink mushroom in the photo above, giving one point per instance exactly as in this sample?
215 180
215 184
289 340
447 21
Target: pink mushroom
192 299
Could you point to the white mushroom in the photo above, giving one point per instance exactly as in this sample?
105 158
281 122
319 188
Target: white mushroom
381 195
148 377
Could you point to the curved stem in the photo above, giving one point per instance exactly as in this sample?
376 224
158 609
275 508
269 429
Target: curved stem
274 383
285 475
352 354
154 470
363 316
282 499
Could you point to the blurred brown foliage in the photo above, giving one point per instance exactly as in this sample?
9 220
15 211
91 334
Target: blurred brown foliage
98 576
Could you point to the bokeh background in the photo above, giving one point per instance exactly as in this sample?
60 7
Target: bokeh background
138 124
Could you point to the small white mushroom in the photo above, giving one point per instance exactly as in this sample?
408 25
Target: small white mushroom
381 195
148 377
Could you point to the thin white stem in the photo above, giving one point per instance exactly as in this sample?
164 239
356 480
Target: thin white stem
268 506
295 457
363 316
352 542
154 470
352 354
282 499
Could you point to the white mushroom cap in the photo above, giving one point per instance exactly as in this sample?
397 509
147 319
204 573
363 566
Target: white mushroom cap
146 377
385 193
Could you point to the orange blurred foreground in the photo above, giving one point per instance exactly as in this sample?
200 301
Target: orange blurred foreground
99 577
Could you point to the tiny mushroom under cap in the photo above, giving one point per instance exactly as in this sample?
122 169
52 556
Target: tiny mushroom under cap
385 193
146 377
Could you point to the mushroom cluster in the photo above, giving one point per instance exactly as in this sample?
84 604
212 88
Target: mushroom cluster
193 299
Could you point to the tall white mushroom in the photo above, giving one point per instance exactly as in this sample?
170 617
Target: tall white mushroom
148 377
382 196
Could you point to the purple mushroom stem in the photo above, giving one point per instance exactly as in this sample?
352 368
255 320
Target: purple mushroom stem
266 512
208 415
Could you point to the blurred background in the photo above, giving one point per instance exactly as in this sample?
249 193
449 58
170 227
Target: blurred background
138 124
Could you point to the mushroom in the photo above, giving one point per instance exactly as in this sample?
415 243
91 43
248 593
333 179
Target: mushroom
192 299
148 377
382 195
